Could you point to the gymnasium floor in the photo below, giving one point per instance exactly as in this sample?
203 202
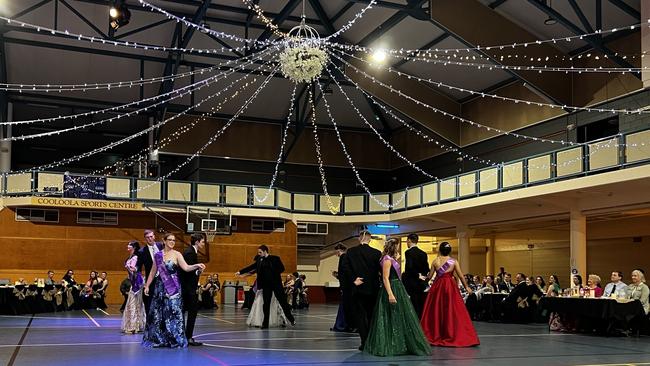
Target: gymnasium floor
93 338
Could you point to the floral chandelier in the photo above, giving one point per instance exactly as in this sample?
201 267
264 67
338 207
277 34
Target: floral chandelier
303 59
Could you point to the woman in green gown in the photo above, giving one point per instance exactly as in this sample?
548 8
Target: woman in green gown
395 328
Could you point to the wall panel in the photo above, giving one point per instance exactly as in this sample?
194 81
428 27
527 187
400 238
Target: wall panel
31 249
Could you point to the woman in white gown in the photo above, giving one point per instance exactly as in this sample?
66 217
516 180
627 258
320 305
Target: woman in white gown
133 318
256 316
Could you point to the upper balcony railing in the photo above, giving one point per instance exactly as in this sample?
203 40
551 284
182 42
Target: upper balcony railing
615 152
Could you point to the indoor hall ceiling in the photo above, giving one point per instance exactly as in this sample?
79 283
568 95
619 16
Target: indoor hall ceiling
43 58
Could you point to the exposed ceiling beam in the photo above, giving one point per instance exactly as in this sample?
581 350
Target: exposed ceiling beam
593 41
612 37
497 29
382 4
391 22
289 7
581 16
144 28
30 9
83 18
146 58
341 12
626 8
490 89
427 46
322 15
135 6
496 3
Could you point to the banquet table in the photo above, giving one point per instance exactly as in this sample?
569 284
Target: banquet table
31 301
600 314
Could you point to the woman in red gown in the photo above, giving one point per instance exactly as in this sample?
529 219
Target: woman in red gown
445 320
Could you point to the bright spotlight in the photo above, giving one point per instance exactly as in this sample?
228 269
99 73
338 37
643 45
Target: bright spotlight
379 56
119 15
113 13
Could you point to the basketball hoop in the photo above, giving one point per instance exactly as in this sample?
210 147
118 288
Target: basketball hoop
209 236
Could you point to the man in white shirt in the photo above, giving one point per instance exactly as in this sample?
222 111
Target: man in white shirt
145 261
616 287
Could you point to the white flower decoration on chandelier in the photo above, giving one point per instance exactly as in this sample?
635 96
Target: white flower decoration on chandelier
303 60
303 63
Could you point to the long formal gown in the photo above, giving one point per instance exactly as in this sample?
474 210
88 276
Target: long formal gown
256 316
165 319
133 318
445 319
395 329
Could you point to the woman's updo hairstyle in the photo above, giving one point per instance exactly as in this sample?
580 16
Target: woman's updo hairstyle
444 248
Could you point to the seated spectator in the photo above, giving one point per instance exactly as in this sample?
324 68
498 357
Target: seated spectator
616 288
470 281
638 290
506 286
69 278
593 286
539 281
477 281
577 285
553 288
207 293
489 282
50 278
100 292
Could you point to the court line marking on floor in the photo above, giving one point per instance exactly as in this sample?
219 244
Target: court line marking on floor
102 310
91 319
620 364
51 317
20 342
281 349
215 318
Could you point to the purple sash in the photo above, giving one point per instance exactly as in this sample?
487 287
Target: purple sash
170 281
443 269
395 264
135 277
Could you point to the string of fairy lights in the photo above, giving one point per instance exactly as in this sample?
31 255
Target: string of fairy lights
333 209
592 149
198 151
482 94
278 161
115 143
175 135
168 139
342 52
247 60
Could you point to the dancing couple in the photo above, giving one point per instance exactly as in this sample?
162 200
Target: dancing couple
163 294
270 307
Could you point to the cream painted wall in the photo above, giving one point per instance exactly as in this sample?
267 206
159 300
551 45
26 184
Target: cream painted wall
323 274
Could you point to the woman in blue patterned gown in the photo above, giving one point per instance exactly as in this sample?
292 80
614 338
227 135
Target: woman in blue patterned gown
165 319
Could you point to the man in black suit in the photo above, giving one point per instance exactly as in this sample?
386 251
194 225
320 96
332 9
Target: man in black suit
269 270
346 287
189 285
145 259
361 268
506 286
414 276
